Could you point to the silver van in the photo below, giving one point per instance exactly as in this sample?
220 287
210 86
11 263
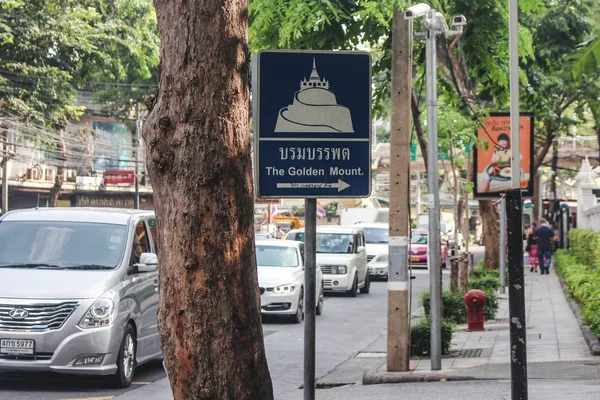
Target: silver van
78 291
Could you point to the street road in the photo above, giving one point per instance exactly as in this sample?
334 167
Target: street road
348 325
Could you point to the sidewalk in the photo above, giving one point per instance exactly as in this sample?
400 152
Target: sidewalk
553 335
556 350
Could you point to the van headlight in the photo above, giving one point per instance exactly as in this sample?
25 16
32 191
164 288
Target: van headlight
284 289
338 269
101 313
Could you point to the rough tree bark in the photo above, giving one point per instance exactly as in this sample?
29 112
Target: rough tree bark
61 151
491 232
198 155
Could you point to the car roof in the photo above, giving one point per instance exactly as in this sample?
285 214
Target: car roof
420 231
117 216
384 225
333 229
278 243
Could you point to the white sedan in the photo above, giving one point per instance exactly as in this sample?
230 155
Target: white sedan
281 279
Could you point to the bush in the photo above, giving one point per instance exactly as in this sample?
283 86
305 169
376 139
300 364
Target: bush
485 283
491 305
582 280
420 337
454 306
584 246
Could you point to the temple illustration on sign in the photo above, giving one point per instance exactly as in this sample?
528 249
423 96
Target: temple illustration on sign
314 109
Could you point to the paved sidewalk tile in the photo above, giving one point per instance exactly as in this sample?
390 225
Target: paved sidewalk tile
553 332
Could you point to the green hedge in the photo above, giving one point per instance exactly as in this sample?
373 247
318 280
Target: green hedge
454 306
584 245
582 279
420 337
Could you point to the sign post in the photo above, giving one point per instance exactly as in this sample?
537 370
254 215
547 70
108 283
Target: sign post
312 132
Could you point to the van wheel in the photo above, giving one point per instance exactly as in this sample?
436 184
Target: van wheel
320 302
299 316
125 360
367 288
354 291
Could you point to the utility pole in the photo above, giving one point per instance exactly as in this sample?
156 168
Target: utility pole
398 338
310 291
433 198
514 200
5 170
136 200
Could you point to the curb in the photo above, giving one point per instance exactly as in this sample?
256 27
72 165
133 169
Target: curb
591 339
374 378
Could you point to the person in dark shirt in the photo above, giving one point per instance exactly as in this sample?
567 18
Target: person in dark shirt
544 236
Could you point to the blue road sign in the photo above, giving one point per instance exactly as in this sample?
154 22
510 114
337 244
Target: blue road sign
312 123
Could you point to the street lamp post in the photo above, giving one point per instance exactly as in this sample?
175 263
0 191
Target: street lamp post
434 25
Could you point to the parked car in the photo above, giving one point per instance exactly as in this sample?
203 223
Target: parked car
342 256
263 236
419 249
378 267
78 291
281 279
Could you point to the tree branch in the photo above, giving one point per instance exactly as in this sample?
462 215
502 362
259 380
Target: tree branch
416 115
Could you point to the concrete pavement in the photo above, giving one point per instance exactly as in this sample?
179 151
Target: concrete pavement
553 335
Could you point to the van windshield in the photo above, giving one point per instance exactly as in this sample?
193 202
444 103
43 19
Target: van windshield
376 235
61 245
339 243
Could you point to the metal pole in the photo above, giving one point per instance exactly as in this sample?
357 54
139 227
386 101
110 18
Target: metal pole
136 200
540 196
503 246
398 338
433 199
515 142
516 296
5 171
310 289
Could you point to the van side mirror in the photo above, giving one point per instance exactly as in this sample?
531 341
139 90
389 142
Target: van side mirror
148 263
361 249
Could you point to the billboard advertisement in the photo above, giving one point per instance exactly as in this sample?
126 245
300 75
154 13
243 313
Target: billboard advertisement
492 156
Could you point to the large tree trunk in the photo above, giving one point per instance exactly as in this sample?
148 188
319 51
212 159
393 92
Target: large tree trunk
491 232
61 151
198 155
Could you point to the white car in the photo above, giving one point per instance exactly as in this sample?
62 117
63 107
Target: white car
378 266
342 256
377 238
281 279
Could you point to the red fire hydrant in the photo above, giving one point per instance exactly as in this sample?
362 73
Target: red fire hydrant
475 302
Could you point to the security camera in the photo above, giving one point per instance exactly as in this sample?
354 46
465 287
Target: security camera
416 11
459 20
443 25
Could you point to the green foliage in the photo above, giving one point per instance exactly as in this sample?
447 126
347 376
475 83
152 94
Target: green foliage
454 306
420 337
485 283
50 48
583 245
583 283
488 281
586 59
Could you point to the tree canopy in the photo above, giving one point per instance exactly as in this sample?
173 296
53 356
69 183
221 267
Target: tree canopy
50 48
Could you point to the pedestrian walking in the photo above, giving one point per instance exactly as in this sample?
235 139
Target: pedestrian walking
544 236
280 234
532 248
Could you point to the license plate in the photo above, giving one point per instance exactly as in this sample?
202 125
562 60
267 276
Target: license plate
417 259
17 347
